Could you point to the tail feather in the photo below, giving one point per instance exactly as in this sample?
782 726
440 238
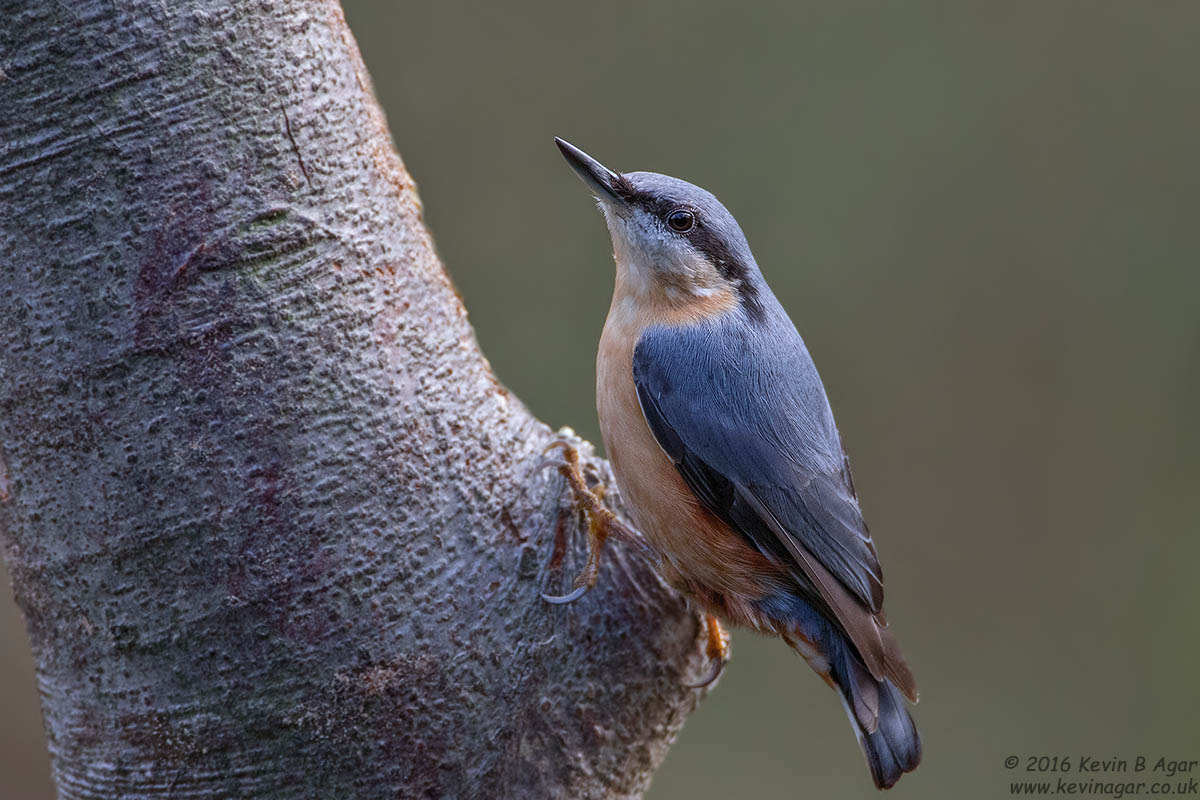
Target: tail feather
875 705
888 737
864 700
894 748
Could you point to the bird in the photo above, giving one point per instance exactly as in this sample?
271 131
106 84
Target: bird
723 445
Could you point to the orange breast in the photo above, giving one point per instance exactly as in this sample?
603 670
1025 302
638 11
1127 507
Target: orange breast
701 555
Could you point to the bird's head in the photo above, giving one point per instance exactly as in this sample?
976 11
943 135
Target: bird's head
670 238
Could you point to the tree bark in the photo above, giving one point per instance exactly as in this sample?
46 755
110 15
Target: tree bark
276 529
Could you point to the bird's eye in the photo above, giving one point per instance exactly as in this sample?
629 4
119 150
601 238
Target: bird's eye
681 221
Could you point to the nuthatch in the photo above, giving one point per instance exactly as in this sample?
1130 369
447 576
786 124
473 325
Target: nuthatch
723 444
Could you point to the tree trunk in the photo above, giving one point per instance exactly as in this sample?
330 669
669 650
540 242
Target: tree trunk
276 529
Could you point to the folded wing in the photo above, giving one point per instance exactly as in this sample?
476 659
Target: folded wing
757 444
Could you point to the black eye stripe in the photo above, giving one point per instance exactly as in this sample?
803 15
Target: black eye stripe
706 241
729 265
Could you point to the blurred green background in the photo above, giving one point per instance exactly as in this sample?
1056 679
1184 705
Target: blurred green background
983 218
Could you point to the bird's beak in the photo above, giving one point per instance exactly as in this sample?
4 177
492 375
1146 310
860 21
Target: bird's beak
599 178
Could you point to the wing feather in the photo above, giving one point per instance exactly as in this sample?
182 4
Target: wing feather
720 429
756 443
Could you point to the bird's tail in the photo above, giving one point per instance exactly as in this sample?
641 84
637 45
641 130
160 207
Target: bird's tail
881 722
875 705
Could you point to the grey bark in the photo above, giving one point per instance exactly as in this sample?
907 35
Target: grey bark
276 529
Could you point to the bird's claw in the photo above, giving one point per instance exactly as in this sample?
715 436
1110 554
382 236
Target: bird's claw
716 647
569 597
600 519
588 490
569 466
554 461
718 667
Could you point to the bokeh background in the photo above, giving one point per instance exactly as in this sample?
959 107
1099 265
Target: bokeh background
984 220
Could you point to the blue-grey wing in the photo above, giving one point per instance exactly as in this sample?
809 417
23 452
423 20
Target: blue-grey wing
742 413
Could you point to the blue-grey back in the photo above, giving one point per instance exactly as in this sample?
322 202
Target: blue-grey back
753 376
737 404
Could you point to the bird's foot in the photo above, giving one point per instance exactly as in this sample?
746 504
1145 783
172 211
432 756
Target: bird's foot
602 522
716 648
